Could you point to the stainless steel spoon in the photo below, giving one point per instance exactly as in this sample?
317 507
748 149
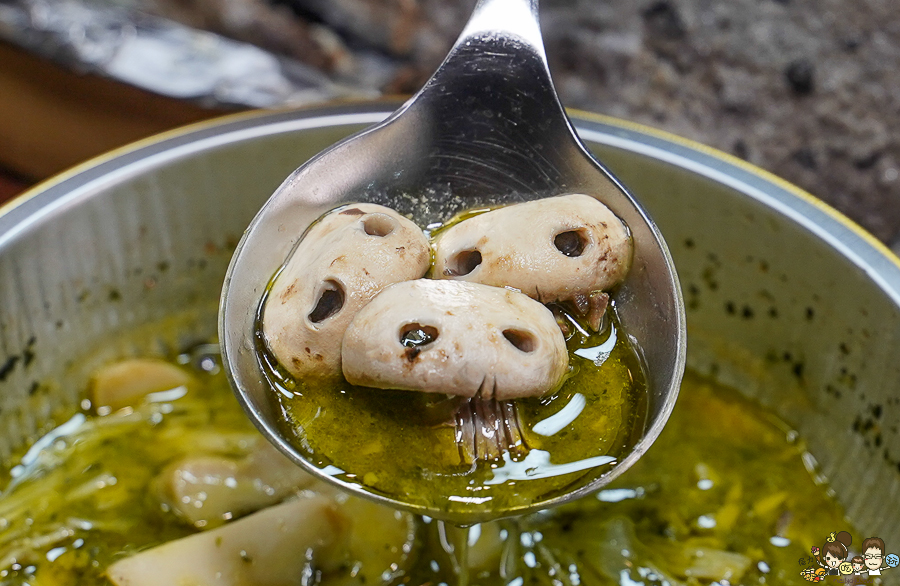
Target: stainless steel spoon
487 128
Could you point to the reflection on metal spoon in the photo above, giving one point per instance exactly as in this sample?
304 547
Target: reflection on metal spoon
537 465
599 354
558 421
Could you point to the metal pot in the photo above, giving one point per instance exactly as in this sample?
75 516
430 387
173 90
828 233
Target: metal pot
787 300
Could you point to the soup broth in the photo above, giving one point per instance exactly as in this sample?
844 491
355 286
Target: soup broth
722 495
383 439
412 446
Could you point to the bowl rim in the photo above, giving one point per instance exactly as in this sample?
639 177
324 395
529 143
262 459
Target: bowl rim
828 224
841 233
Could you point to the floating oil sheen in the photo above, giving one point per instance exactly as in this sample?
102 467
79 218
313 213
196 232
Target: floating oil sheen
403 444
726 500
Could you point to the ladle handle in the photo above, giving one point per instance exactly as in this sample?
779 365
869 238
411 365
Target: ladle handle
490 113
500 42
505 18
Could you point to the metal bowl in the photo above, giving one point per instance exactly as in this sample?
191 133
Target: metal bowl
787 300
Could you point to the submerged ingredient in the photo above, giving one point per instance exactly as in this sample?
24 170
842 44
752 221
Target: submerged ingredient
730 501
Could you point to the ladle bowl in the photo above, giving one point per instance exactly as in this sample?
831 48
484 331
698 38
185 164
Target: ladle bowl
486 129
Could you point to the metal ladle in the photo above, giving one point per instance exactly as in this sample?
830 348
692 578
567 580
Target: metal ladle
487 128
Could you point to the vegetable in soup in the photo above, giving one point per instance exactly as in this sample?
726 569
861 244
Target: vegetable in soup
154 484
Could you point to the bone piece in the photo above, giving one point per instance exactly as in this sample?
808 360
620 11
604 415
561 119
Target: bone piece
486 341
273 546
208 490
128 382
551 249
344 260
351 541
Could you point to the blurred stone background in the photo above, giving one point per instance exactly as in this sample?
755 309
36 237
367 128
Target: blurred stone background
807 89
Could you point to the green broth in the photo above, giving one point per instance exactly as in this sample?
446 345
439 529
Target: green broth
89 496
702 505
391 443
384 441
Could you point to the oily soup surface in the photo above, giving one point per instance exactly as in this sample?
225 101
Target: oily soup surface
398 443
704 504
404 444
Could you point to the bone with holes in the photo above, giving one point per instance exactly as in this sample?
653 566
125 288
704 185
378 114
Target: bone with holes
342 262
568 248
458 338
